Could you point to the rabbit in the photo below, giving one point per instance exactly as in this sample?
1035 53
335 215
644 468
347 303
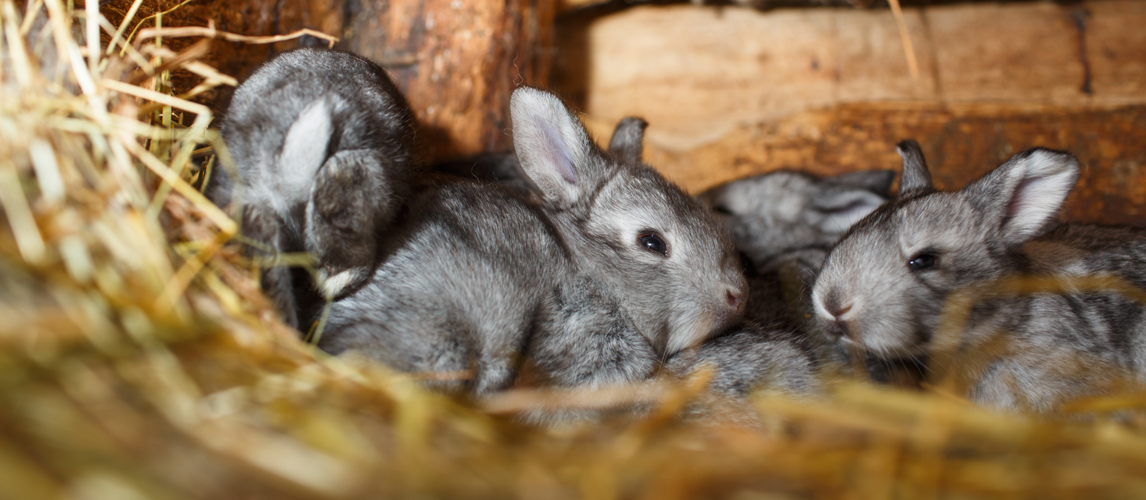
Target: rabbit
323 143
775 214
750 357
608 270
503 168
748 360
784 223
884 287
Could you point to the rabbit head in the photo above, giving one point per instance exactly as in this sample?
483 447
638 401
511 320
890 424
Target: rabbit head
656 249
772 214
883 287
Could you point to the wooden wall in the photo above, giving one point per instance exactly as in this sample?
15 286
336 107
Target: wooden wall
730 92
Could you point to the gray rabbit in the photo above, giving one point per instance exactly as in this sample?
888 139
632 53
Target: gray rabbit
773 215
884 287
604 273
323 144
784 223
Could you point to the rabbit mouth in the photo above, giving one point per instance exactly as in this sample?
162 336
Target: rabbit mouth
847 341
692 330
891 347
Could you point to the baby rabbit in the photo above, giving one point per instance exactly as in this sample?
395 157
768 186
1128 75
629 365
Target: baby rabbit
784 223
885 286
773 215
323 144
609 269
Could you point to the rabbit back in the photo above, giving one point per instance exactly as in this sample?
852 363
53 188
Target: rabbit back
753 356
462 280
329 101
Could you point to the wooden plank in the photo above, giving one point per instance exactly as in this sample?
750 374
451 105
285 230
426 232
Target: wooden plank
961 143
724 68
732 92
1006 52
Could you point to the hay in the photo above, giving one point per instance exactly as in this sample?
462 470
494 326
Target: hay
138 359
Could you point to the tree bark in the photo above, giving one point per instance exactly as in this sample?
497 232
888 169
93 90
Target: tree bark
457 61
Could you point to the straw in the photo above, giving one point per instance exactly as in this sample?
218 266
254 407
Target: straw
138 358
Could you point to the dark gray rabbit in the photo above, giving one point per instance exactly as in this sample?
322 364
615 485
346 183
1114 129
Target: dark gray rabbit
884 287
323 144
605 272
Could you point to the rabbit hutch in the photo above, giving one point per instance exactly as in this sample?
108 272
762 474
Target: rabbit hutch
141 359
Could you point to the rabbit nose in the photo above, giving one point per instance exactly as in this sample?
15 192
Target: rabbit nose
840 311
734 299
832 305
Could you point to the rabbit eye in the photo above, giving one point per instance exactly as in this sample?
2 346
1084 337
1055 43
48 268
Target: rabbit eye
653 243
721 209
921 262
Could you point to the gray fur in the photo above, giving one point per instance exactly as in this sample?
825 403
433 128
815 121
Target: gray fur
753 356
483 278
916 178
628 137
1048 347
785 223
772 215
323 144
500 168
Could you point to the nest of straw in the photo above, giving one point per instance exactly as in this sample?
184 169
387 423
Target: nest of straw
139 360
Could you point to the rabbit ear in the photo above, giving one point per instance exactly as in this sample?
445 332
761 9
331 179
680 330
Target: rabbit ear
916 179
554 149
843 206
1023 194
627 138
305 146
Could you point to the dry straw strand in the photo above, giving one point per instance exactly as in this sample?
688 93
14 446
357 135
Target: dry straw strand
905 38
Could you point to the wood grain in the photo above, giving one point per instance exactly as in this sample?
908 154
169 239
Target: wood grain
734 92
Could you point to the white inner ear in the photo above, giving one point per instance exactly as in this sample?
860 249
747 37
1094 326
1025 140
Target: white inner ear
1045 179
304 149
556 152
549 141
